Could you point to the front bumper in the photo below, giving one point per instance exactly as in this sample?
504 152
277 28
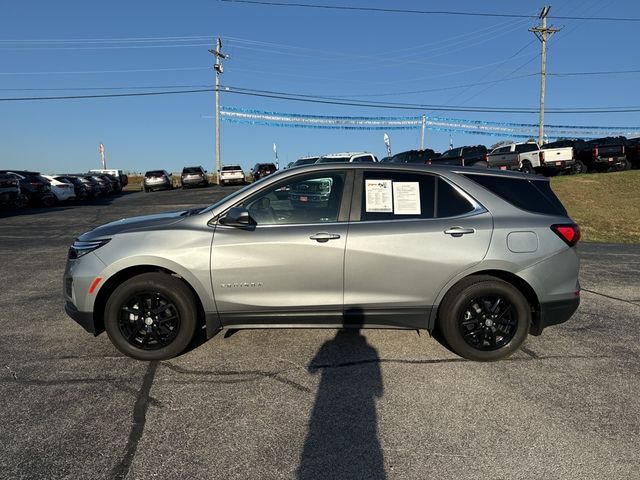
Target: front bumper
84 319
554 313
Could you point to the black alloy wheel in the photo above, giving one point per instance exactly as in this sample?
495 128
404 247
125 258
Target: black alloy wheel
149 321
578 167
488 322
484 318
152 316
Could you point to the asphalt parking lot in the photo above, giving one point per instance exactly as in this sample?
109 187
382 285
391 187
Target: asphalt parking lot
305 404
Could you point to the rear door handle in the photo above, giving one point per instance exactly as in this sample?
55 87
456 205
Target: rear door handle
324 237
459 231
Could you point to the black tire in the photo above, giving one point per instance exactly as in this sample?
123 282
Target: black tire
527 167
161 338
49 201
476 331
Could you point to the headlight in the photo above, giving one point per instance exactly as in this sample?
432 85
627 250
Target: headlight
79 249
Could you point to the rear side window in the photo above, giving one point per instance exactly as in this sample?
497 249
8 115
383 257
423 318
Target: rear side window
531 195
397 196
506 149
526 147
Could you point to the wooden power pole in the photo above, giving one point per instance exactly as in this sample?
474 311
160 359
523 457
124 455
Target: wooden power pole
219 70
543 33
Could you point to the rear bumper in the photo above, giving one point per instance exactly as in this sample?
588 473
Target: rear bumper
84 319
554 313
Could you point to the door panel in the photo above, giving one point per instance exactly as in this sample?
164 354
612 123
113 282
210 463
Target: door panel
287 269
277 270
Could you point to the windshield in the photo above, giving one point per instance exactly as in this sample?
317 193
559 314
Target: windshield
451 153
192 170
305 161
154 173
231 167
333 159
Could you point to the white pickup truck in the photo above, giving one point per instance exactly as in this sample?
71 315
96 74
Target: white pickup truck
528 157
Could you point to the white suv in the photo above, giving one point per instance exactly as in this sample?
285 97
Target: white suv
350 157
231 174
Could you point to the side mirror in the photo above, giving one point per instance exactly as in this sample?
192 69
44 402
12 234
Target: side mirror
238 217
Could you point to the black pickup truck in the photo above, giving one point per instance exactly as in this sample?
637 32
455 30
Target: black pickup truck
633 151
602 154
414 156
470 156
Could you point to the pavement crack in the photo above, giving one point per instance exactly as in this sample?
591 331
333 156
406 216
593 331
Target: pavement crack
253 375
631 302
12 372
121 470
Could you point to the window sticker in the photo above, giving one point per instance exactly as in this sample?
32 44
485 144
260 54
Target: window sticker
378 196
406 198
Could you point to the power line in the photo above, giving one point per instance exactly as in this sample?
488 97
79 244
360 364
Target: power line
134 70
420 12
332 101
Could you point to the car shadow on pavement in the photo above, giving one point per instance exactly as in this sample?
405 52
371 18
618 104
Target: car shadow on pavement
9 211
342 440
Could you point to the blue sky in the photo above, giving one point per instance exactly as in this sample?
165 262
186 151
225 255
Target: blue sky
316 52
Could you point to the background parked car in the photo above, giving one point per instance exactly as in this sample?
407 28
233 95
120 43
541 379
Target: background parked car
602 154
304 161
232 174
79 188
633 151
349 157
194 177
35 187
157 180
63 191
261 170
119 174
558 157
414 156
10 193
472 156
524 156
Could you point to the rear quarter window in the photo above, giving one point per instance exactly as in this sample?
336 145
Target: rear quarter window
527 194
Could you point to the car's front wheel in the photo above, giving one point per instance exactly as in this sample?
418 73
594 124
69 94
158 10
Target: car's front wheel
484 318
152 316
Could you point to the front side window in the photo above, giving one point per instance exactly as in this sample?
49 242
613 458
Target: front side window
305 199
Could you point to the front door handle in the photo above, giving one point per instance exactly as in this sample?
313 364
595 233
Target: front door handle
459 231
324 237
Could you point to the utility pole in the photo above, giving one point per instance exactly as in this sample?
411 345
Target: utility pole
543 33
424 126
219 70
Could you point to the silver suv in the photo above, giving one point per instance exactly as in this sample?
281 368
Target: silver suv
484 256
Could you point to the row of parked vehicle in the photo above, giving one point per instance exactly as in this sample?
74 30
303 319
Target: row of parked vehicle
190 177
20 188
566 156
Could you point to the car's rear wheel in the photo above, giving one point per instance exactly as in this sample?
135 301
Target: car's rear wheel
527 167
484 318
152 316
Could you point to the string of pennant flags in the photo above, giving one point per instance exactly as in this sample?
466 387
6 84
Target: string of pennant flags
434 123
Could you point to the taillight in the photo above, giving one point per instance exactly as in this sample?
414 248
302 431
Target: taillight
36 184
594 152
541 157
428 162
569 232
486 157
623 149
